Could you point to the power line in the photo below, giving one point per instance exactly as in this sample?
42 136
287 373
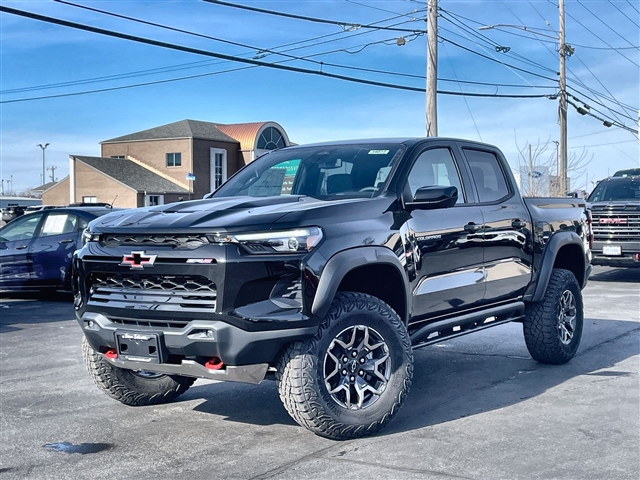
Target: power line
617 50
383 9
465 98
237 59
603 144
605 121
344 25
603 22
628 17
591 134
631 5
497 61
601 104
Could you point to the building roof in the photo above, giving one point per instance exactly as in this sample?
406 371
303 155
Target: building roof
132 174
181 129
245 133
44 187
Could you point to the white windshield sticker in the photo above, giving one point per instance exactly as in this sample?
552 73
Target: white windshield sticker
54 224
378 152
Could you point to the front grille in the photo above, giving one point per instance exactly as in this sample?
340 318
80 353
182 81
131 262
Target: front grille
153 293
178 241
616 225
150 323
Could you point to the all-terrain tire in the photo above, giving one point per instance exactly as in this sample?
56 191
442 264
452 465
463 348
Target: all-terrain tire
553 326
304 370
129 387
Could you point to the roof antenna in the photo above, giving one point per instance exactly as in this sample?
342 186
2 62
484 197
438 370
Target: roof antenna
114 201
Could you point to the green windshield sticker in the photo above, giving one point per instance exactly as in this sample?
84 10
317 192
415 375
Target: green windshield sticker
291 166
378 152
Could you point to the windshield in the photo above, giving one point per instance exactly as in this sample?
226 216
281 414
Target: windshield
628 189
327 172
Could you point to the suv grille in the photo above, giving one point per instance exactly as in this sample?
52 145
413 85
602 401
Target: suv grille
182 241
616 225
154 293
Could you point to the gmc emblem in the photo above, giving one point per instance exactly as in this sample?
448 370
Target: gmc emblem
138 260
613 221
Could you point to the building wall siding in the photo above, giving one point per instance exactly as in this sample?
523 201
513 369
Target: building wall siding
90 182
154 153
58 194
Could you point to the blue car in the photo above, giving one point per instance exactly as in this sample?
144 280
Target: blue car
36 249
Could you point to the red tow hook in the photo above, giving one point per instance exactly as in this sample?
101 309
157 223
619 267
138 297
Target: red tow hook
112 354
214 364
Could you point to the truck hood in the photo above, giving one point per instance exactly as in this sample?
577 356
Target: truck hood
224 214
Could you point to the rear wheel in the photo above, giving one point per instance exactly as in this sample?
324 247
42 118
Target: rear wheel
131 387
352 377
553 326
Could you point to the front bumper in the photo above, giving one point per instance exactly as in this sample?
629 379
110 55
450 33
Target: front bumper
629 257
245 355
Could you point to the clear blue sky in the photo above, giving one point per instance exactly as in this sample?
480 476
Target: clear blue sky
312 108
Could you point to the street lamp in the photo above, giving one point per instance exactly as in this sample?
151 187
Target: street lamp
43 169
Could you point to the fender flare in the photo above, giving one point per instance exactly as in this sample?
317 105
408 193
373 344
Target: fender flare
340 264
558 240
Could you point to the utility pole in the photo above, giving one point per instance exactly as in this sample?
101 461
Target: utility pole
432 68
53 172
530 173
562 107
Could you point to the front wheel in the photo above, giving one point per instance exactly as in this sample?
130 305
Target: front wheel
129 387
352 377
553 326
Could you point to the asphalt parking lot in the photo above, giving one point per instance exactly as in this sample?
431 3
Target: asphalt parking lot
479 408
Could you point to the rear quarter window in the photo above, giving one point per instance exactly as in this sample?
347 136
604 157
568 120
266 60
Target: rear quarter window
487 175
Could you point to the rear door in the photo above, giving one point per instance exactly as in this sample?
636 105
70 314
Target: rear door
15 258
507 225
52 250
443 247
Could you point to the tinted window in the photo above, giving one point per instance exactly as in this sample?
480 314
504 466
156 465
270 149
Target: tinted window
435 167
608 191
487 175
21 229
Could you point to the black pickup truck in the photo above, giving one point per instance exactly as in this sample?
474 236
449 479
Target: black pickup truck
326 265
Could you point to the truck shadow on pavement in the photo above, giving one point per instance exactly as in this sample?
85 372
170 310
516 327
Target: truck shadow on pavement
33 308
448 383
622 275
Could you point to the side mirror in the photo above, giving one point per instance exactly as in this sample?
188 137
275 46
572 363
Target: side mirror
430 198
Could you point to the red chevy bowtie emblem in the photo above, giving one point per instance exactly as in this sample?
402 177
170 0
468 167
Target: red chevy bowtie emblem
138 260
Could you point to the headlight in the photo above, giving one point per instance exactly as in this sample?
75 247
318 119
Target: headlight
87 236
300 240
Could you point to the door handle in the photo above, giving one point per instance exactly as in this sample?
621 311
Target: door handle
472 227
21 247
518 224
69 240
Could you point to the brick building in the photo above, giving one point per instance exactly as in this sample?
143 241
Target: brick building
152 166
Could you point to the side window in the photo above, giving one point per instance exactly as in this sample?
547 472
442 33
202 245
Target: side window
21 229
58 224
174 159
435 167
487 175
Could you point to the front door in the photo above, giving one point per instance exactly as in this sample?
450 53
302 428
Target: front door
443 246
52 250
15 258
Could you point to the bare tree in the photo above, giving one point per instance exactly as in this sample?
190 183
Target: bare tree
538 167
